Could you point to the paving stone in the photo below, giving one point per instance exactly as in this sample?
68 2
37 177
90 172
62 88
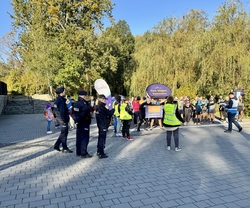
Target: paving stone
210 171
136 204
167 204
40 203
243 203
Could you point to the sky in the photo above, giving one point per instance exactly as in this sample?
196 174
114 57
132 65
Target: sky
141 15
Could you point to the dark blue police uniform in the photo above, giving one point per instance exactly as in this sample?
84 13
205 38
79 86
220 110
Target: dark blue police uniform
62 114
82 110
103 116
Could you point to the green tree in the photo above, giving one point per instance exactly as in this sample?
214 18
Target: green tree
56 39
119 43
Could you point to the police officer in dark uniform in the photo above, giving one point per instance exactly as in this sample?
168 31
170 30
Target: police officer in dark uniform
81 110
103 116
62 115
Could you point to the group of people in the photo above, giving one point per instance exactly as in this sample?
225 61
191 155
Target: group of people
81 112
175 112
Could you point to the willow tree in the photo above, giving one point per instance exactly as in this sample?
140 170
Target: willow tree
228 40
170 53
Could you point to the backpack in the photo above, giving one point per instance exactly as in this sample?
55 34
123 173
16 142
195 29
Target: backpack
45 113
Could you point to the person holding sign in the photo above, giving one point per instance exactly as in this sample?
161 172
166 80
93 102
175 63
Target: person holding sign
172 120
103 116
142 114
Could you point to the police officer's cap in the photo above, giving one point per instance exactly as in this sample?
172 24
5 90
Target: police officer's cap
82 92
59 90
102 97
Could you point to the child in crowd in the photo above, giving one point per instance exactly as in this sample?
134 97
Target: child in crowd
187 113
49 117
204 116
198 110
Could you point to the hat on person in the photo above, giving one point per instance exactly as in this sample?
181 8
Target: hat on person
48 106
231 93
59 90
82 92
102 97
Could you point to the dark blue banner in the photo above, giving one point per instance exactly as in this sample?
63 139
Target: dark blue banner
160 91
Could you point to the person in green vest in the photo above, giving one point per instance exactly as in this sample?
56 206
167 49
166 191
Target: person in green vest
117 121
171 121
126 112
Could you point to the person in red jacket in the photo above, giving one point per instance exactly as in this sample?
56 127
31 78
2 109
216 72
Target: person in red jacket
136 109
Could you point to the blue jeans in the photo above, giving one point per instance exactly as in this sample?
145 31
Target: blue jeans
48 126
231 120
118 125
176 137
115 123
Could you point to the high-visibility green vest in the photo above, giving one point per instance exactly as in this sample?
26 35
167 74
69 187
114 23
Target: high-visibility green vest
124 115
169 115
116 113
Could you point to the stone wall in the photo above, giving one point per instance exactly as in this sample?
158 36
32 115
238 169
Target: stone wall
3 101
26 104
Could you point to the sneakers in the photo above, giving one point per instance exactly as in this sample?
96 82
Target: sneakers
130 138
124 137
177 149
49 132
228 131
119 134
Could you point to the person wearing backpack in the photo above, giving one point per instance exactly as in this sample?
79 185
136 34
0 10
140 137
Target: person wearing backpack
49 117
81 114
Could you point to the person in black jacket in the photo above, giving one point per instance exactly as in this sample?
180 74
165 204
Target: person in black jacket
82 113
142 114
103 116
62 114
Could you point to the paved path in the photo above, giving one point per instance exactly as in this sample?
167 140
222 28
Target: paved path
212 170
